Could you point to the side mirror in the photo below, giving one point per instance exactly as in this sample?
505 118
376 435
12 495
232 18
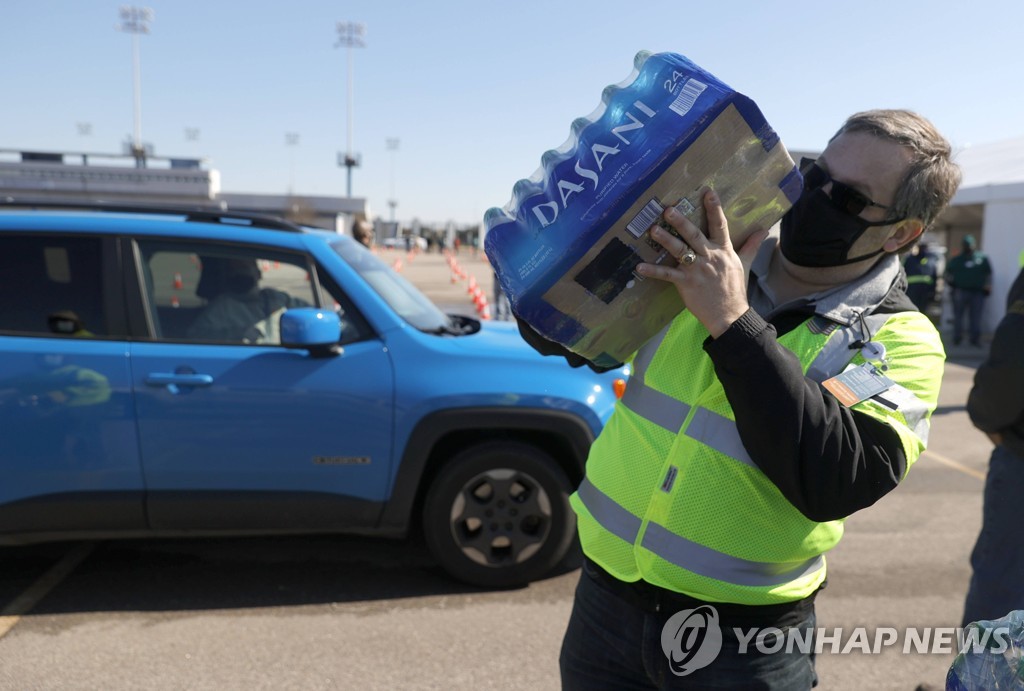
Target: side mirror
313 329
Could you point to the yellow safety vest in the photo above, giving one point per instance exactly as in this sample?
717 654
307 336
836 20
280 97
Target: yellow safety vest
921 278
671 494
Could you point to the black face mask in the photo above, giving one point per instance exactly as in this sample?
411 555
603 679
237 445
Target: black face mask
817 233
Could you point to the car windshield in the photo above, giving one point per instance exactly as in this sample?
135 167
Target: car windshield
403 297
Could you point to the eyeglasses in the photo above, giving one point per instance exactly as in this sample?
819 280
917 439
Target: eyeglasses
845 197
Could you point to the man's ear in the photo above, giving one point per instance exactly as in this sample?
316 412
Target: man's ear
906 232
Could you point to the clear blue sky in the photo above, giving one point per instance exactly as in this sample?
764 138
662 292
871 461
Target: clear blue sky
474 90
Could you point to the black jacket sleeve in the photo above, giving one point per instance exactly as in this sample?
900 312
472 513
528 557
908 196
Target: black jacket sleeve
996 402
826 459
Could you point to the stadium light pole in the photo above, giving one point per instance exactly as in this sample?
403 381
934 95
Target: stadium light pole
291 140
85 130
350 35
392 144
135 20
192 135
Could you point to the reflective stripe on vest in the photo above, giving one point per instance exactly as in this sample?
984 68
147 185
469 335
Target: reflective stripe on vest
661 409
687 554
612 517
913 409
707 427
710 428
720 433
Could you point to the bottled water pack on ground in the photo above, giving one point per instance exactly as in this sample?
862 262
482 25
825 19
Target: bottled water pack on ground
566 245
992 656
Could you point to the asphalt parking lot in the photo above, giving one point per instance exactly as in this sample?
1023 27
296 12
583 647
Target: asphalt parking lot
328 612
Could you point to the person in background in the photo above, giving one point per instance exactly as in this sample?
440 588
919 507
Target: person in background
502 306
362 231
969 274
921 266
241 311
996 407
729 465
68 323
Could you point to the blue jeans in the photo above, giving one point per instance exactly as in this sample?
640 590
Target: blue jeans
997 584
967 303
612 644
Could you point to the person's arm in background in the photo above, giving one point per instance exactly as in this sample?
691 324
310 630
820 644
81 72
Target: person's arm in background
997 399
947 275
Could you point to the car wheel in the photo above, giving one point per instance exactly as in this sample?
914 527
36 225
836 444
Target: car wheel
498 515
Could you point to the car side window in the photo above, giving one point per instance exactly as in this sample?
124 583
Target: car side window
52 286
214 293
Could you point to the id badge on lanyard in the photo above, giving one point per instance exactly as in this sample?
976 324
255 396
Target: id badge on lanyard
860 382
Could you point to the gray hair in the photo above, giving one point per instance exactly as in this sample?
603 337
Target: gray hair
932 178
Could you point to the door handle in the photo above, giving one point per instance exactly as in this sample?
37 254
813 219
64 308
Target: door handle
174 381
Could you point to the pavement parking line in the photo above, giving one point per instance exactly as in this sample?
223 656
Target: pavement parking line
23 604
954 464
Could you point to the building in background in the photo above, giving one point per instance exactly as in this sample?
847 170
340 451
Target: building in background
116 179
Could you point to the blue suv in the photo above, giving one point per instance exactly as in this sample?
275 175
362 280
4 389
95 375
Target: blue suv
175 372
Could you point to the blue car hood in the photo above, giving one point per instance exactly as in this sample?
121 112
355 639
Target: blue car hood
498 339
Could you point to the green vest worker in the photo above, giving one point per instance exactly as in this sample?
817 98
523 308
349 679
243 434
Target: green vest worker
740 445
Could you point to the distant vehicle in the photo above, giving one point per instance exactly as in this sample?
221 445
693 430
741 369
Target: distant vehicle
338 398
399 243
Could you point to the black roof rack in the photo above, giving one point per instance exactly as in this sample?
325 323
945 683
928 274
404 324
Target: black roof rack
191 213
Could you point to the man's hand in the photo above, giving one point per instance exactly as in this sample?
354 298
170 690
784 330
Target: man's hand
714 286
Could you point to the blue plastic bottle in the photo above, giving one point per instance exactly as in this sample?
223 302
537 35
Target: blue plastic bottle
992 656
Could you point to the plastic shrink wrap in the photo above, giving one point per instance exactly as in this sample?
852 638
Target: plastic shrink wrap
566 245
992 656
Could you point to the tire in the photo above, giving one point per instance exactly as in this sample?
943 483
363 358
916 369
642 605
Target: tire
498 515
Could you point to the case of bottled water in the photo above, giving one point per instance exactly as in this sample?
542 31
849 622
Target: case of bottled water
565 247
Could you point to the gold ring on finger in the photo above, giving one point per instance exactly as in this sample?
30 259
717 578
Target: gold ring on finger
688 257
